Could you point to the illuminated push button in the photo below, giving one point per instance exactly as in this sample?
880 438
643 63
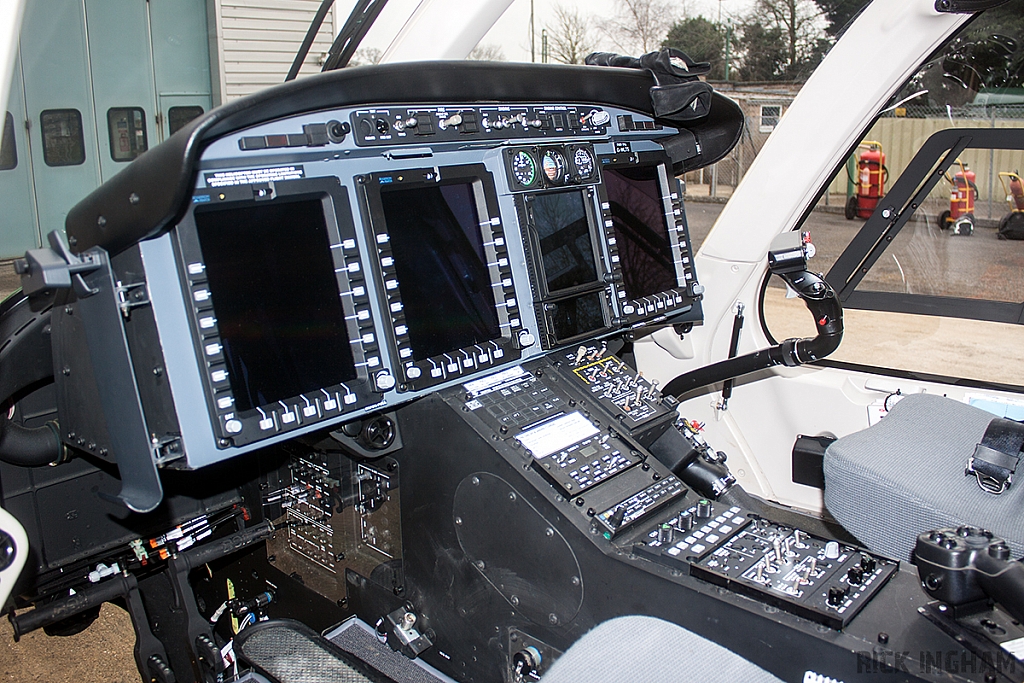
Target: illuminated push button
413 372
309 411
267 423
526 339
330 404
384 381
219 376
233 426
224 402
350 399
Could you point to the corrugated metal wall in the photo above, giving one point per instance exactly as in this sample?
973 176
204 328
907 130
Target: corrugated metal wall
257 41
901 139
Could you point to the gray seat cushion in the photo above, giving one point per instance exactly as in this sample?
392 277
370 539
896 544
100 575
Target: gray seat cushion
637 648
905 475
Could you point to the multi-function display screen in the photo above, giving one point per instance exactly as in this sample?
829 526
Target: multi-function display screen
563 232
438 248
641 230
576 316
276 300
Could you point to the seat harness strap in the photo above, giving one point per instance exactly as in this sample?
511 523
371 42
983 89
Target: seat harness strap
996 458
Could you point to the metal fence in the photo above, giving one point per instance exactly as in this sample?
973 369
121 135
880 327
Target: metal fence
901 133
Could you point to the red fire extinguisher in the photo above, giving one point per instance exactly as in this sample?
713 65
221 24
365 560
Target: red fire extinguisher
1011 227
871 178
960 217
1017 192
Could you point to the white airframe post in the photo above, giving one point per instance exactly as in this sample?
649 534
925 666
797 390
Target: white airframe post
444 29
11 12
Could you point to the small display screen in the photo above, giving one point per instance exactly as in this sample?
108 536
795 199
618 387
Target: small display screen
438 247
566 247
641 231
576 316
275 297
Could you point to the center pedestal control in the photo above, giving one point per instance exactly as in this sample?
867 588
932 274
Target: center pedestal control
816 578
639 408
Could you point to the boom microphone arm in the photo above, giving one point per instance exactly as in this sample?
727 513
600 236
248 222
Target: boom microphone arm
787 258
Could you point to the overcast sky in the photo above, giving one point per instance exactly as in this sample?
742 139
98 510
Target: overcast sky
511 32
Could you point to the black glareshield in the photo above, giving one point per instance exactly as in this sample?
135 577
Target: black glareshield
276 299
439 256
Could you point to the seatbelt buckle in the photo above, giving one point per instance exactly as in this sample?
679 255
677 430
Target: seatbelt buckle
993 469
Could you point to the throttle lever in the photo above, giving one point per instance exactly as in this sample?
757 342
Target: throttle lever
966 565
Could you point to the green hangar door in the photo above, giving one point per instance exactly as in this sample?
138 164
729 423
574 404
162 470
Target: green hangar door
97 83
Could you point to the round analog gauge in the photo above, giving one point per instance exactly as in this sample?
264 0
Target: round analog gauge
583 159
553 164
524 168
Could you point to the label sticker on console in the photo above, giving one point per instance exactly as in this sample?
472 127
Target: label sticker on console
498 379
553 436
254 175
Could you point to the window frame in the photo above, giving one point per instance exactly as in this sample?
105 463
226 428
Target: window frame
895 211
8 139
81 137
764 128
110 132
170 117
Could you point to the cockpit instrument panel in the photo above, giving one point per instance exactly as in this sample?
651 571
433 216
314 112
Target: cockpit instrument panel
337 263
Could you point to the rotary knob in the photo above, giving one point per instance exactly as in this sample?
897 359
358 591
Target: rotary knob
384 380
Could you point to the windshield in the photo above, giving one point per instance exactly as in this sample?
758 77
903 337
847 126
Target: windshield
744 40
946 267
96 89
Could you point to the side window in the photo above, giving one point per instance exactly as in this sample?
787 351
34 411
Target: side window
126 127
8 149
63 143
177 117
770 115
921 232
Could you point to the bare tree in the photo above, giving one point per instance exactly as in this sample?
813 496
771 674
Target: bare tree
364 56
487 52
569 38
639 26
801 21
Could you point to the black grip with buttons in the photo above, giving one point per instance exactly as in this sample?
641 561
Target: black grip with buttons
966 567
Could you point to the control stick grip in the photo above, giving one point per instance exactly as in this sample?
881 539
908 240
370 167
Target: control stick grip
965 565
